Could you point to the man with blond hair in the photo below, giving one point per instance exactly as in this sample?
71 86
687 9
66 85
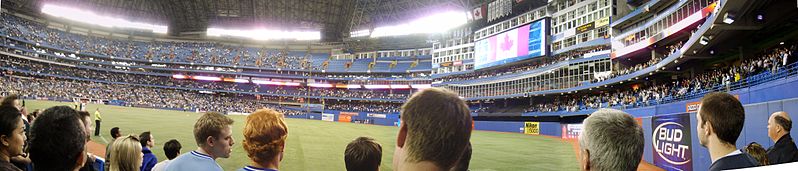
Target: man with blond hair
264 140
435 129
213 133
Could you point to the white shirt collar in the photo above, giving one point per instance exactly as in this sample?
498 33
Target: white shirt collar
735 152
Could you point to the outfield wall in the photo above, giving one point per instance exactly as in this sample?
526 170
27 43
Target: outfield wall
759 102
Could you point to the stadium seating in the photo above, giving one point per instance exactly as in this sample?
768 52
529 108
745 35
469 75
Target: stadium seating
218 54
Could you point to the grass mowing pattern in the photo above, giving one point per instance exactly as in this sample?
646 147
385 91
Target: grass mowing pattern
319 145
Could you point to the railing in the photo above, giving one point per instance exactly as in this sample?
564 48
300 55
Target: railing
751 81
754 80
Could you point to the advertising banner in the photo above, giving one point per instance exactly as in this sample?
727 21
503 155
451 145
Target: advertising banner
532 128
571 131
349 113
585 27
344 117
374 115
328 117
692 106
458 63
672 143
602 22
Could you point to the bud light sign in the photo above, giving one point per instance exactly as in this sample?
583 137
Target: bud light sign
672 143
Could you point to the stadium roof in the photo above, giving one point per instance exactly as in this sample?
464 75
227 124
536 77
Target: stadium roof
333 18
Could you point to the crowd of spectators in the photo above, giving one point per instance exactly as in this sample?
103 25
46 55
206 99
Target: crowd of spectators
84 47
53 69
139 96
670 49
172 51
383 107
644 95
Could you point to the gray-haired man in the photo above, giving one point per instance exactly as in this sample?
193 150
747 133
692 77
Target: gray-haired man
611 140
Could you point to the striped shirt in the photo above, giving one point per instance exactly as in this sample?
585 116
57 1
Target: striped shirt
193 161
252 168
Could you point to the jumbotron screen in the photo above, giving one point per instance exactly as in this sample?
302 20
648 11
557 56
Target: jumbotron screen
521 43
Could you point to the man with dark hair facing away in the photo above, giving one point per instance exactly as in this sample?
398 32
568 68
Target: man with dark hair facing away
435 129
58 140
465 160
720 120
171 149
363 154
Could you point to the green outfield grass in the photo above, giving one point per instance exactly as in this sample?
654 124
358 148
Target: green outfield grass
319 145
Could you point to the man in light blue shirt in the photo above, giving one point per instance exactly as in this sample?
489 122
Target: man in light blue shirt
214 136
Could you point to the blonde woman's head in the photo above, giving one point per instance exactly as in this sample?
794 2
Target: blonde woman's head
126 154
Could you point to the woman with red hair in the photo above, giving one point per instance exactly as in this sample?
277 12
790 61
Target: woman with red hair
264 140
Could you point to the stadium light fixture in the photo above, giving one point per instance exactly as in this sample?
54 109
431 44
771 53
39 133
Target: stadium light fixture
377 86
704 40
291 84
179 76
353 86
265 34
320 85
360 33
235 80
728 18
241 80
399 86
434 23
207 78
347 86
275 83
421 86
265 82
89 17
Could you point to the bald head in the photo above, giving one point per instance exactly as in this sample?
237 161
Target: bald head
779 124
782 114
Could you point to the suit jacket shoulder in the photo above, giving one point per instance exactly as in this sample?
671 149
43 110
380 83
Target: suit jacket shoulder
738 161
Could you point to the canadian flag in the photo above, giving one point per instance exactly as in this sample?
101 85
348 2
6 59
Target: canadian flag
478 12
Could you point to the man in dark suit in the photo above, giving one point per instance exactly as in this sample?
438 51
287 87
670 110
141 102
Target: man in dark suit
720 121
784 151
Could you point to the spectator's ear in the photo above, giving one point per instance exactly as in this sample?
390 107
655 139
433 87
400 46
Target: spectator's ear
210 141
708 130
585 157
400 139
5 141
81 160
